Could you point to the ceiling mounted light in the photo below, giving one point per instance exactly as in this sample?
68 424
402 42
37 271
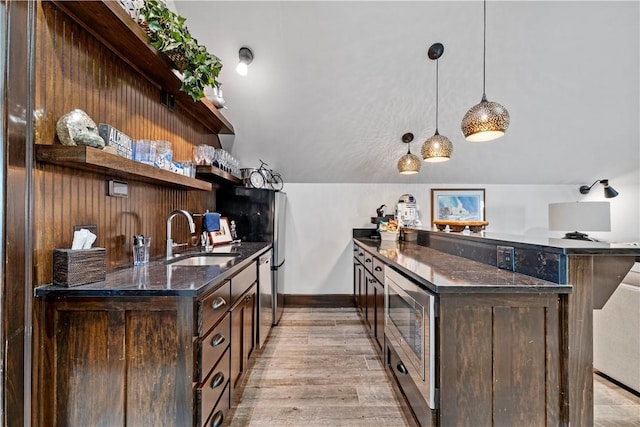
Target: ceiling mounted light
438 148
487 120
609 192
245 58
409 163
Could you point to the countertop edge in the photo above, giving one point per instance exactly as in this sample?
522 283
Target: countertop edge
368 244
95 290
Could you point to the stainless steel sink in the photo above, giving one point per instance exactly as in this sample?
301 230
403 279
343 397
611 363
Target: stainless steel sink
206 259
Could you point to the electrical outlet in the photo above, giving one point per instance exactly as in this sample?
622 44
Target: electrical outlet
506 258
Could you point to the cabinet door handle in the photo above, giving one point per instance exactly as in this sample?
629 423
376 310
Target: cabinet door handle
248 298
378 268
218 302
217 419
217 380
361 254
402 369
367 260
217 340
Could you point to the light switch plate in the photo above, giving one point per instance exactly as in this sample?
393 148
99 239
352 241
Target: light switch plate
506 258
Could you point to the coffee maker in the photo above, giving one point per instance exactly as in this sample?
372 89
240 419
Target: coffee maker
407 211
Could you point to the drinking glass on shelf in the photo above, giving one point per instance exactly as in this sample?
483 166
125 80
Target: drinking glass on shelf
198 154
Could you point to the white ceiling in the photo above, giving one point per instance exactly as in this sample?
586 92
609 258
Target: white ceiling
335 84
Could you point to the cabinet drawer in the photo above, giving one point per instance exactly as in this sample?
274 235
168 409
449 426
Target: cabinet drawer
211 309
219 413
359 253
208 394
368 261
378 270
210 347
243 281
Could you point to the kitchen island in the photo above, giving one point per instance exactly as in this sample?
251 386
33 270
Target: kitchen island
513 347
161 344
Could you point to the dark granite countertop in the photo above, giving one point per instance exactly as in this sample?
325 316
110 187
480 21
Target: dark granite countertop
564 246
161 278
440 272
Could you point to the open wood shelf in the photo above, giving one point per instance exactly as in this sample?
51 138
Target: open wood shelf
212 173
111 25
96 160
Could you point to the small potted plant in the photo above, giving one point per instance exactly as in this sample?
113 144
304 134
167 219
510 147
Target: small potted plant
168 34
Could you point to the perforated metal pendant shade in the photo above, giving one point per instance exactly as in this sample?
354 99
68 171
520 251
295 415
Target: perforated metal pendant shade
485 121
409 163
437 148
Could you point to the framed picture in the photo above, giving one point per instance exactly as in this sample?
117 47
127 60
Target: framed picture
223 235
456 204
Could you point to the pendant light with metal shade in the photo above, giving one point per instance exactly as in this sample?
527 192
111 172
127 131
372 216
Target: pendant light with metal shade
409 163
487 120
437 148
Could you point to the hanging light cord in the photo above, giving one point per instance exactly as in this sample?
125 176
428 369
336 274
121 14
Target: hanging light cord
437 62
484 54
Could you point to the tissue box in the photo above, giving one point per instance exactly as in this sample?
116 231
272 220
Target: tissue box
75 267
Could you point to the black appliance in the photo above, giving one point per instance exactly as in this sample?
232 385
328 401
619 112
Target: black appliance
259 215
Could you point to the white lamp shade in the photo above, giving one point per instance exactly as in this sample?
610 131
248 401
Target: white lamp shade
580 216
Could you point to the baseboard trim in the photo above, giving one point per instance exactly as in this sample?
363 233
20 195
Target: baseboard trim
319 301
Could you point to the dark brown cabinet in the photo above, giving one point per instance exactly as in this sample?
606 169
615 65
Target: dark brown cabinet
243 334
146 360
368 288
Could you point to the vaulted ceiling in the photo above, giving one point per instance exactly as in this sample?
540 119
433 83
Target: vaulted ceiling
335 84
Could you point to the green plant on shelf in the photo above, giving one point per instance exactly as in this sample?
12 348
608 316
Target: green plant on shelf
168 33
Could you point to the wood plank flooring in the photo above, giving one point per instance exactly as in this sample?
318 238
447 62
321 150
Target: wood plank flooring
318 368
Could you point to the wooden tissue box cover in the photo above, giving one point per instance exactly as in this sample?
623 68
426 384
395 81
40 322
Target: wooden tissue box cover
75 267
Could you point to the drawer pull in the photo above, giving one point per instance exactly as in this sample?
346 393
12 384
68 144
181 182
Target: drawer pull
402 369
218 380
217 419
361 254
217 340
218 302
378 268
248 298
367 260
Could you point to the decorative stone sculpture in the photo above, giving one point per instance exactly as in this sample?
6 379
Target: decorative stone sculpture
76 127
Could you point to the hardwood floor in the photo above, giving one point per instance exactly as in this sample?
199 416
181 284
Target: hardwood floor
318 368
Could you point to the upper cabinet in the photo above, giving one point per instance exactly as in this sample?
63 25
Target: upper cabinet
112 26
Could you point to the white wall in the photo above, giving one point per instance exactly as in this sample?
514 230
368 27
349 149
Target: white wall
320 219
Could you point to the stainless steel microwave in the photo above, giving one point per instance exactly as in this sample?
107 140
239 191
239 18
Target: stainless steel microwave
410 331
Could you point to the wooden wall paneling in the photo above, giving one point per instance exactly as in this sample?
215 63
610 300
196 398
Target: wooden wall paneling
76 71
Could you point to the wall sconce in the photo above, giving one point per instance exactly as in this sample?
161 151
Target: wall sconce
487 120
437 148
408 164
609 192
585 216
245 56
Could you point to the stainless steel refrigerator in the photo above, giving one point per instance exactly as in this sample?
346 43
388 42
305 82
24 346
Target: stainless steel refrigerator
260 217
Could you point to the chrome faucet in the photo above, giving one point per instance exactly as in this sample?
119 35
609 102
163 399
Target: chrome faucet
192 228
